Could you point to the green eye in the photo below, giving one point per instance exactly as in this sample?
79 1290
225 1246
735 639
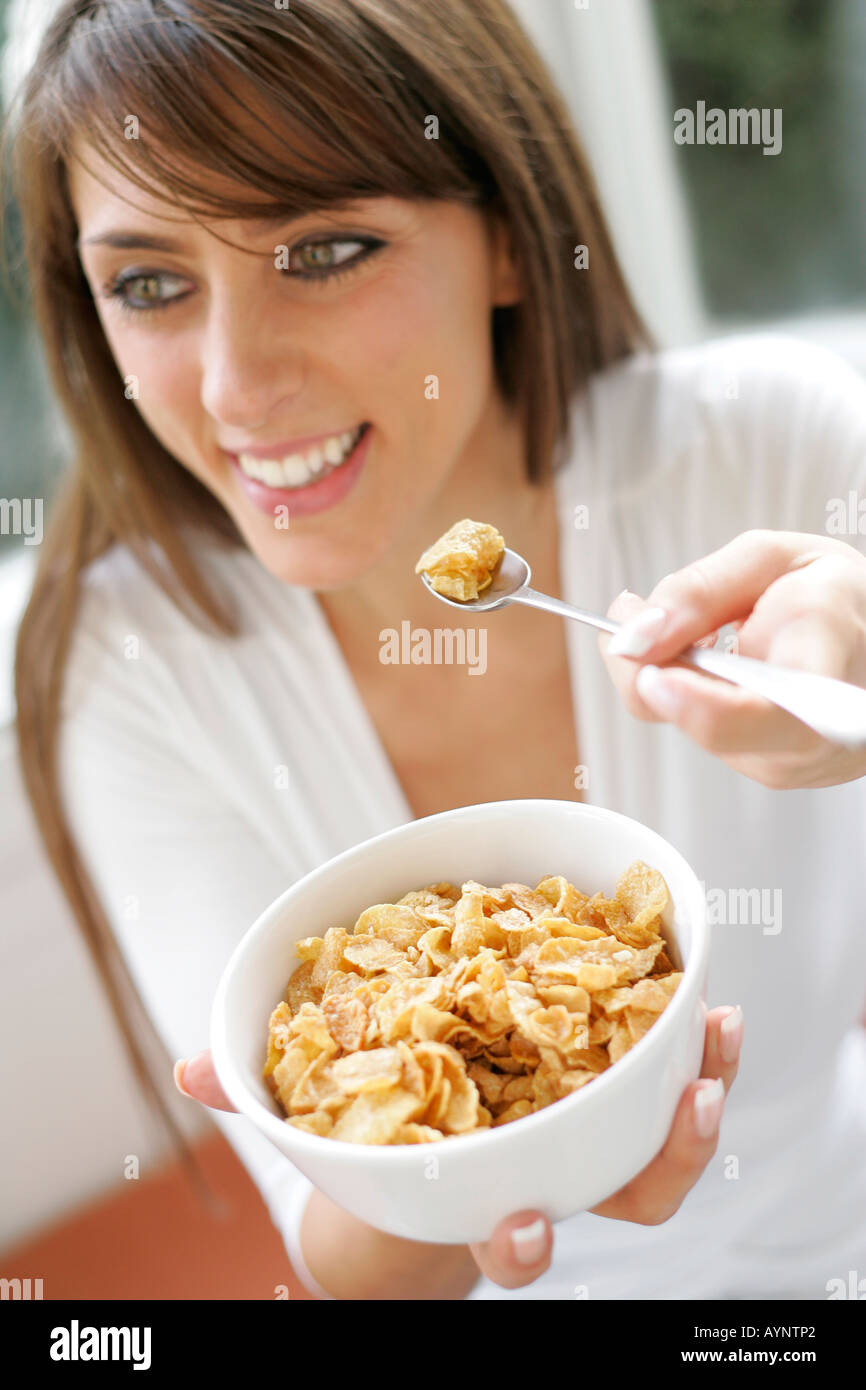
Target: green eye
321 260
326 261
147 287
317 255
140 293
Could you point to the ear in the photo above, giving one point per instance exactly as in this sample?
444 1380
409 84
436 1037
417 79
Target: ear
505 282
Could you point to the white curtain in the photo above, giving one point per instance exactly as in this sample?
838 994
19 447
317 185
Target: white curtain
26 22
606 61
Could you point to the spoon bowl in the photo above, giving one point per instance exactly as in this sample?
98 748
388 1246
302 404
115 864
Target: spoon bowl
511 575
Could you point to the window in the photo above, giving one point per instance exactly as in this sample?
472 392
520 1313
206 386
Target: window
30 456
775 235
31 447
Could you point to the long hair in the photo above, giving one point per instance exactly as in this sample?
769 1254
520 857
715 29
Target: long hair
285 109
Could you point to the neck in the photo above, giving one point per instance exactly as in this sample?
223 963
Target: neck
490 484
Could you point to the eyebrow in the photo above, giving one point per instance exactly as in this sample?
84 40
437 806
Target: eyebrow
123 240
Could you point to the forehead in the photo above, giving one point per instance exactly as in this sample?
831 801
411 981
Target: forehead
99 188
94 186
113 210
111 207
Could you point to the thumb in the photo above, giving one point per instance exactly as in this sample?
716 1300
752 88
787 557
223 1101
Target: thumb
518 1251
197 1079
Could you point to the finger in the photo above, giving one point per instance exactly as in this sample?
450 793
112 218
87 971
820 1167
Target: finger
812 620
518 1251
623 671
720 717
803 641
811 642
719 588
623 607
659 1189
198 1080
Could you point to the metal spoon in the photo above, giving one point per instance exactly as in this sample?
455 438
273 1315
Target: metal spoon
835 709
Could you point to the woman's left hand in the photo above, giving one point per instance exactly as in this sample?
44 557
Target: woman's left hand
796 600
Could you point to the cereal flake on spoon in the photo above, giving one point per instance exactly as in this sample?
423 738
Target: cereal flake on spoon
461 564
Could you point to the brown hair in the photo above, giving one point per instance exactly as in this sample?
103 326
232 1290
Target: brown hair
351 84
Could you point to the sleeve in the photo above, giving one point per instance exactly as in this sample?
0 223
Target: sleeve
178 870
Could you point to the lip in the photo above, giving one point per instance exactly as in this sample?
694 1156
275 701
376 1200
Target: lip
314 497
277 452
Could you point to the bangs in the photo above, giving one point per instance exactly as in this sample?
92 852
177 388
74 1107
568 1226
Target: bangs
244 111
239 109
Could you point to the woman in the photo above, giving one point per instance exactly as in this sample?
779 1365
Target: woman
308 288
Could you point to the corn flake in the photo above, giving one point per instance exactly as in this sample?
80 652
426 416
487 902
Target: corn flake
461 563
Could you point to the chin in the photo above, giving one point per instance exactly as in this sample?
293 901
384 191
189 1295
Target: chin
314 564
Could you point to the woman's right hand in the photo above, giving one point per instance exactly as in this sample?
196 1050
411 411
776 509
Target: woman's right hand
519 1251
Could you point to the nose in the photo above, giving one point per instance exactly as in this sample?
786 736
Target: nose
247 372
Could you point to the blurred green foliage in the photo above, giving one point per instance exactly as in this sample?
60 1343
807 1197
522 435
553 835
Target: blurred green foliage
29 439
781 234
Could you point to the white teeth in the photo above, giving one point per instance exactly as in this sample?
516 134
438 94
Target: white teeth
254 468
294 470
272 474
298 469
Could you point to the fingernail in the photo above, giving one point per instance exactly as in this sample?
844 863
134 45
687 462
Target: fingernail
731 1035
654 689
637 635
178 1077
527 1243
708 1108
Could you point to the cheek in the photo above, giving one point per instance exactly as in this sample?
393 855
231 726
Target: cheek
421 337
163 375
166 362
171 382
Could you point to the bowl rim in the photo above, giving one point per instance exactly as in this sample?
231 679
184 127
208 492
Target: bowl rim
322 1146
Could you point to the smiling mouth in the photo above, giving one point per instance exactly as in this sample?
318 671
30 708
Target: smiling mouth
306 466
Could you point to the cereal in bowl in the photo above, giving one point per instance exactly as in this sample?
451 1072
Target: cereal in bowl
455 1010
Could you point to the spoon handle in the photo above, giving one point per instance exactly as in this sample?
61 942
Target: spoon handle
834 709
562 609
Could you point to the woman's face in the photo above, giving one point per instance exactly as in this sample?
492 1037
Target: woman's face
377 316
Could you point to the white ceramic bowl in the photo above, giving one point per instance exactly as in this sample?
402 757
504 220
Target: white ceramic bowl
562 1159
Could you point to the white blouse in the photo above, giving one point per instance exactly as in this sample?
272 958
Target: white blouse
202 776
